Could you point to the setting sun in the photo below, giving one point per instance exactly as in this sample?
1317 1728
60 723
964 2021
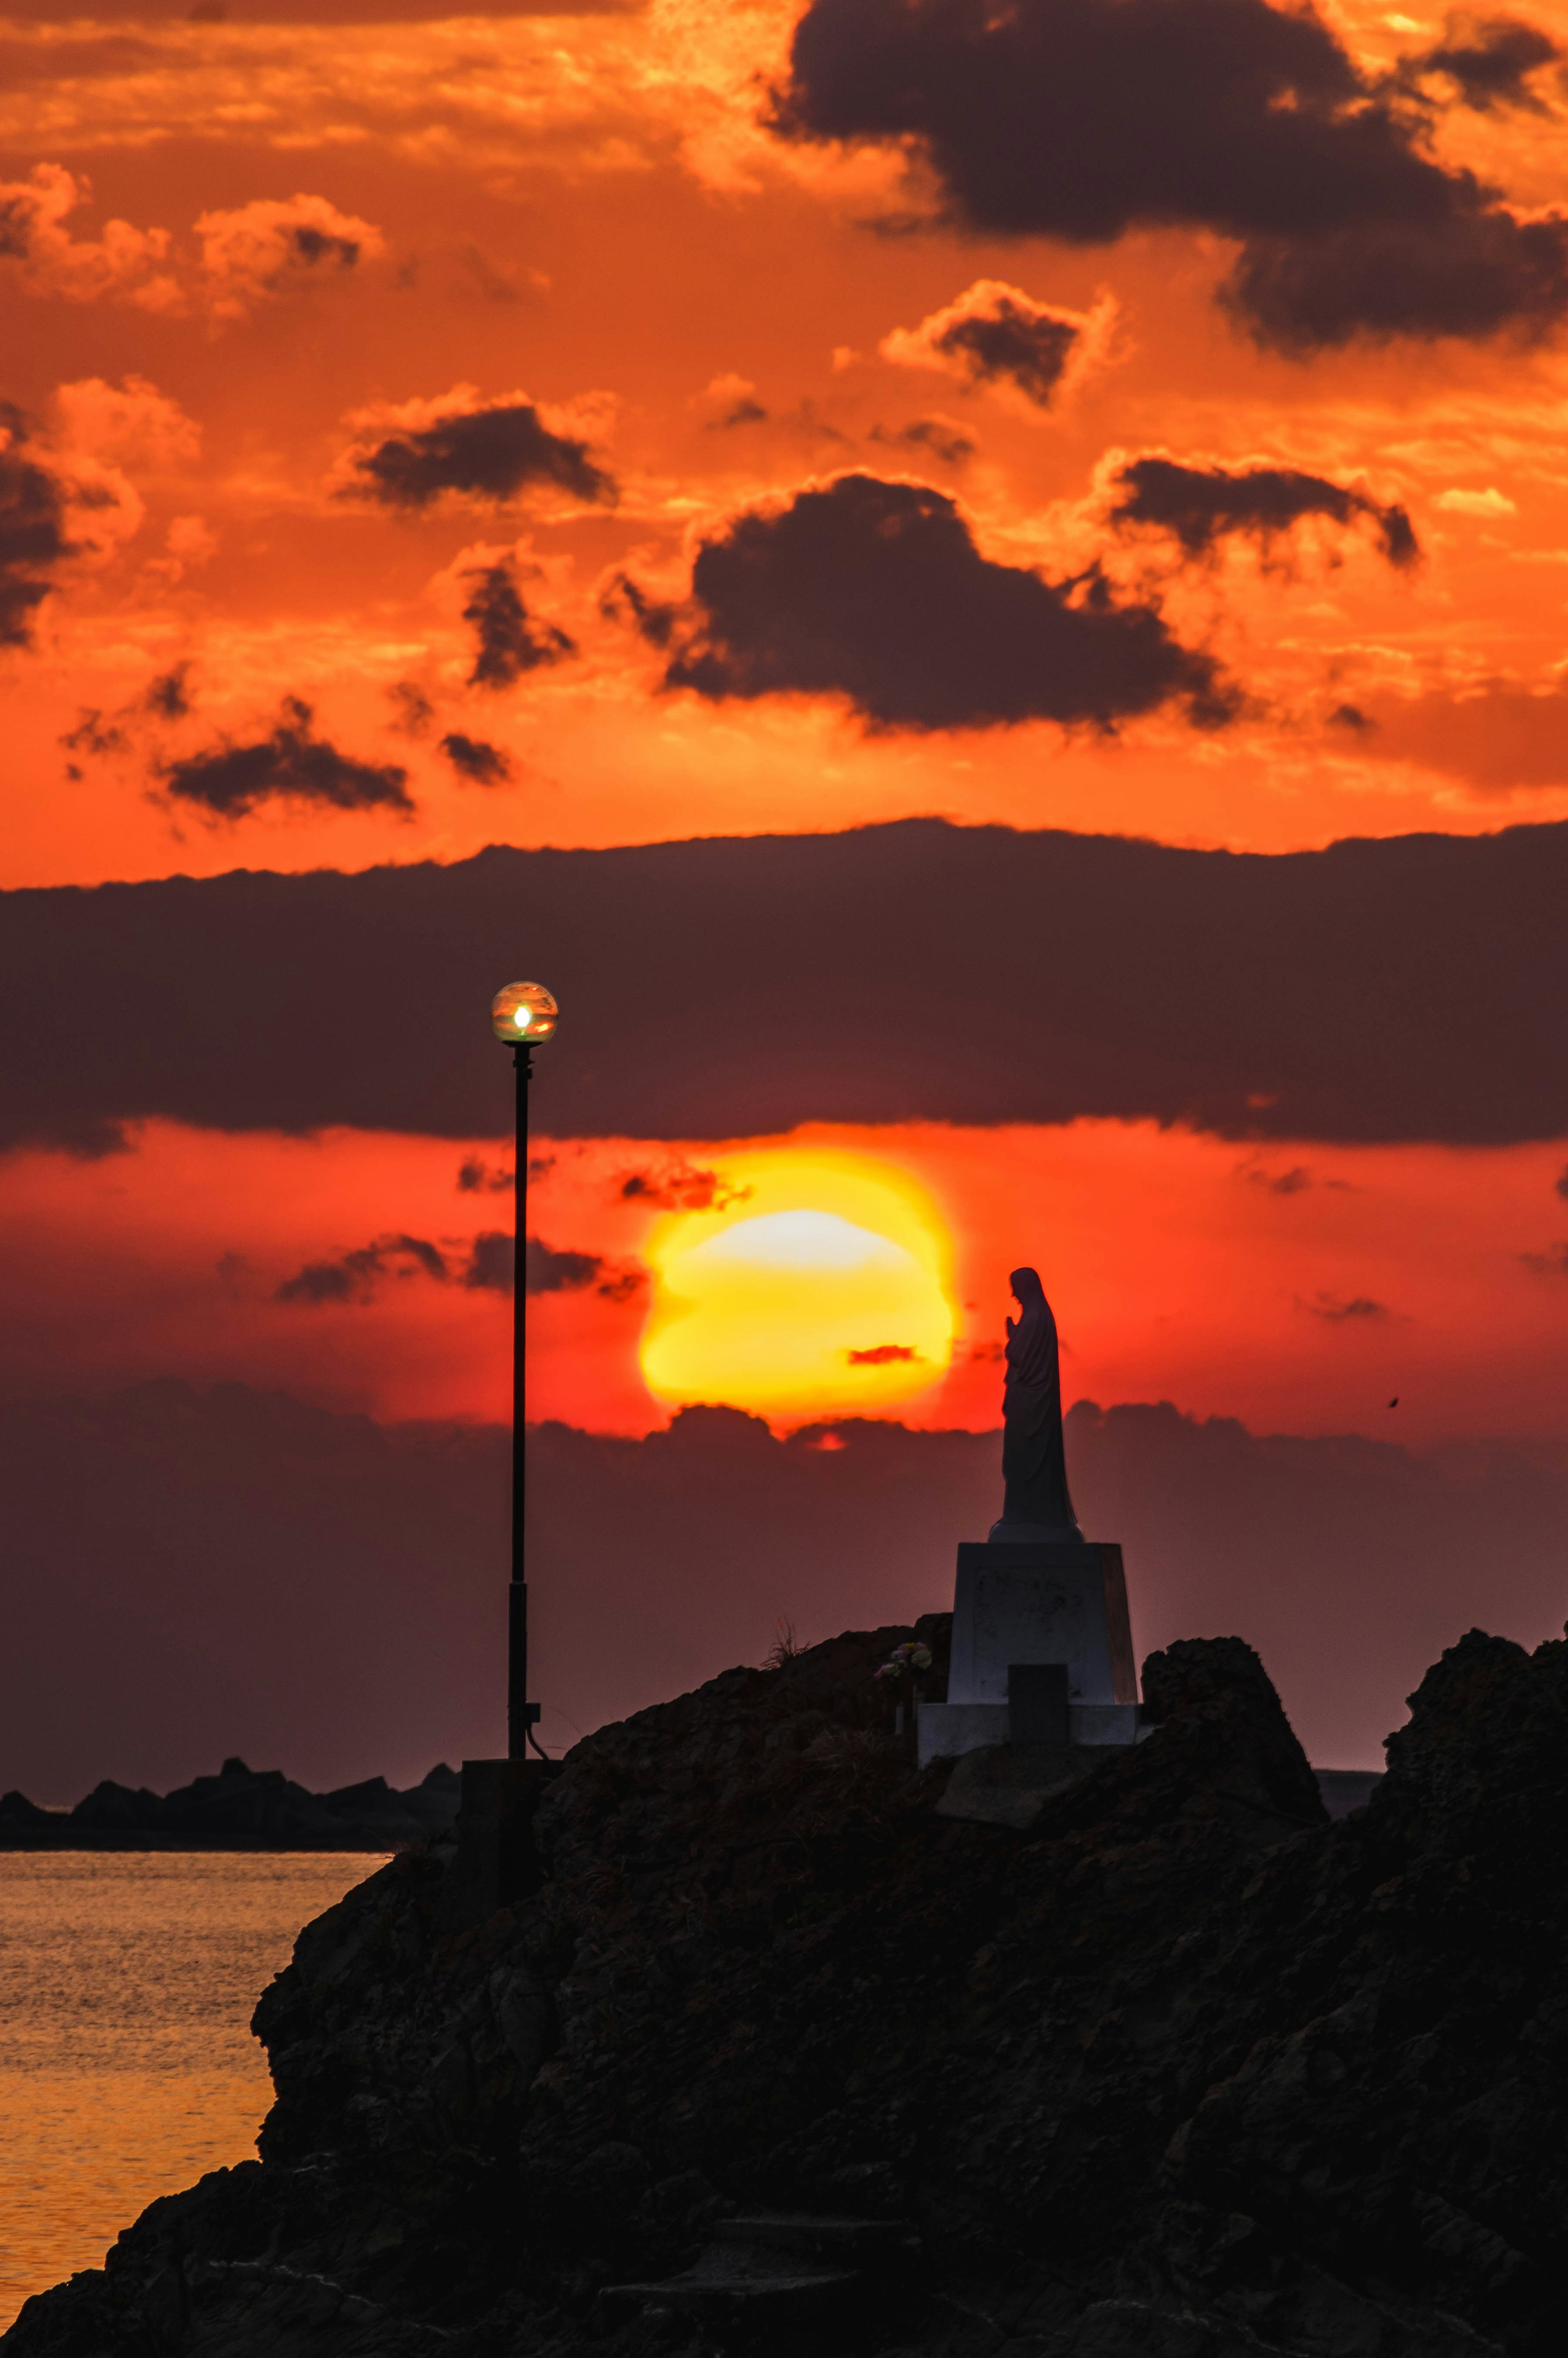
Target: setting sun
817 1284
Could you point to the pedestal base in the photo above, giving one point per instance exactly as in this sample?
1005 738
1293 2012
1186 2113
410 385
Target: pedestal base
945 1731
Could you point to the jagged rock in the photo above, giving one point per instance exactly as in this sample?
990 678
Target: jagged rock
1182 2070
15 1810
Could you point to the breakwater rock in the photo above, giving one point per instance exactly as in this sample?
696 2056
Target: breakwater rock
239 1809
779 2058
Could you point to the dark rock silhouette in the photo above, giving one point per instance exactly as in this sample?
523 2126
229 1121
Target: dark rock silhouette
779 2058
240 1808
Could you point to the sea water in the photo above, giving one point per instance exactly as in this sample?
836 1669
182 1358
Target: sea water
127 1980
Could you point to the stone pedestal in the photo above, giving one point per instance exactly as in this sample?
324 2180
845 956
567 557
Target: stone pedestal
1022 1604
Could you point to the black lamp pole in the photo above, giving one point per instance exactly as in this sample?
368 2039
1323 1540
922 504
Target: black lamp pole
522 1716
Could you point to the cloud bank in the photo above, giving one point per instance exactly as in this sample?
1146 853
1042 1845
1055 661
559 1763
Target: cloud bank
1406 989
1084 119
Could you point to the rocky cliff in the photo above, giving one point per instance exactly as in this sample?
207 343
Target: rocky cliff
780 2057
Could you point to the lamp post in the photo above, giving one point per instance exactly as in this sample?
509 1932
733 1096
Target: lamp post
523 1014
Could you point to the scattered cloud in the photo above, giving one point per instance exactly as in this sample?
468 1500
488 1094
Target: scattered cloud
1488 61
34 539
883 1354
1562 1184
412 712
996 335
290 764
1200 506
679 1186
245 255
1340 1309
1293 1182
876 592
1485 504
408 456
269 247
487 1263
355 1276
1554 1262
1084 119
477 1177
931 437
508 641
727 401
480 763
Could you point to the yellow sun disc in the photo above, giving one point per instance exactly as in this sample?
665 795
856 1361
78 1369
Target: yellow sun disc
819 1285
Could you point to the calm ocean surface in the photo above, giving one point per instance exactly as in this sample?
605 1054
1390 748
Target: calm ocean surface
128 1979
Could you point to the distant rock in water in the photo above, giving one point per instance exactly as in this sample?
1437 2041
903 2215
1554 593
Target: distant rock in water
778 2058
239 1808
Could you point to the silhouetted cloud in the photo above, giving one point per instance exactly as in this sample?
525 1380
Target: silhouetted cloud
32 537
932 437
490 452
1551 1263
679 1186
1198 505
1341 1310
1358 992
291 764
996 334
509 640
482 764
477 1177
1081 119
883 1354
412 712
1489 61
380 1552
1293 1181
354 1276
876 592
489 1265
1562 1184
169 695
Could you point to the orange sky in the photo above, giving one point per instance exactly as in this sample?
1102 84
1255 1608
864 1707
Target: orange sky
586 210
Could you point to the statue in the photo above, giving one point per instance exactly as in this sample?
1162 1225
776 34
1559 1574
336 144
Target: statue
1035 1503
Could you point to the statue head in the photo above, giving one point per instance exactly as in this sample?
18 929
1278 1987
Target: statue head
1027 1288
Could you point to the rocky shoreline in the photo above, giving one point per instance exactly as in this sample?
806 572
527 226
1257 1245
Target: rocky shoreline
239 1809
777 2057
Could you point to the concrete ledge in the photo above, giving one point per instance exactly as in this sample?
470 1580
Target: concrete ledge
946 1731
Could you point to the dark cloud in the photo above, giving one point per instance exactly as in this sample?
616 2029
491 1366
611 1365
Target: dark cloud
624 600
477 1177
1553 1263
1562 1183
1006 343
1081 119
930 436
1293 1181
509 640
1354 993
1350 716
1199 505
169 695
550 1269
312 245
883 1354
490 453
355 1276
876 592
327 1594
412 712
679 1186
1489 61
1340 1309
291 764
94 734
482 764
489 1265
33 540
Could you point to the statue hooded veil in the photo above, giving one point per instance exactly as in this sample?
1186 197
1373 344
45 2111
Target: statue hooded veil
1035 1503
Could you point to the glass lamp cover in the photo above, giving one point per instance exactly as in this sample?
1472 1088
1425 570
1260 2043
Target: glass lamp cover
524 1011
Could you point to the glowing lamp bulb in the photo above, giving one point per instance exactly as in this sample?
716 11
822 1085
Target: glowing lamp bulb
524 1007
